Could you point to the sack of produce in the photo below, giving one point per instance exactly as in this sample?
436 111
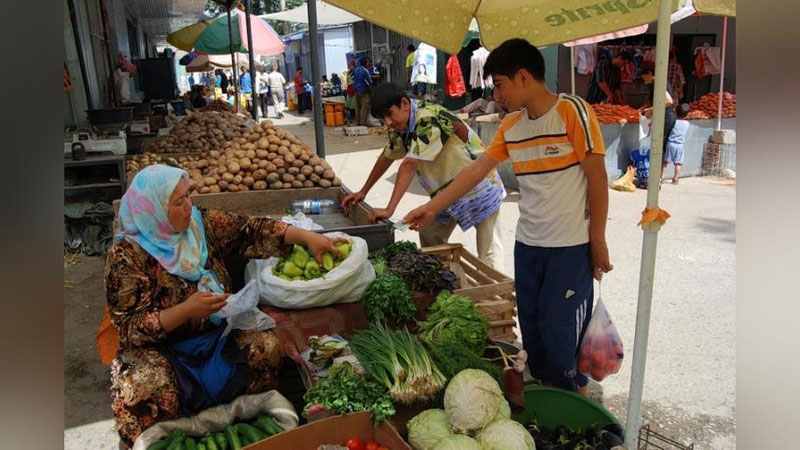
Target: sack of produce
601 352
217 419
625 182
285 284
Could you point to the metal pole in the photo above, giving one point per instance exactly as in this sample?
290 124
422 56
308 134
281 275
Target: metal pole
319 131
722 70
253 93
233 63
572 69
650 240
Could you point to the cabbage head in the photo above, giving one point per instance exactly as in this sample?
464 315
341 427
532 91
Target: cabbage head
472 400
506 434
458 442
504 412
427 428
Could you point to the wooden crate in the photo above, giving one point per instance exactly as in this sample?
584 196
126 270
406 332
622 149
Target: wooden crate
491 291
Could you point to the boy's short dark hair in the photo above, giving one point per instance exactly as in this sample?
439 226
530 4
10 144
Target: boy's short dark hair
411 47
512 56
384 97
683 110
647 68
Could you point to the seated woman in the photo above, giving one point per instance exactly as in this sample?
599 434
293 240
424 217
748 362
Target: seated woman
164 280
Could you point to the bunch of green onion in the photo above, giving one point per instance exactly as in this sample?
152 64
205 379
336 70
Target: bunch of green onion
396 359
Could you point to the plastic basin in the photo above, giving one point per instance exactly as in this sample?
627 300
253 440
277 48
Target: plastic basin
552 407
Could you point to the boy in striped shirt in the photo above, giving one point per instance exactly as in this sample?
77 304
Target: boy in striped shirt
557 152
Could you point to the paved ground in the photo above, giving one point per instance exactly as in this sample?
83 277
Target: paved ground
690 380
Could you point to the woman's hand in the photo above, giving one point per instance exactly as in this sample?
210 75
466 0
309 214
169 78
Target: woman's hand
202 304
318 244
198 306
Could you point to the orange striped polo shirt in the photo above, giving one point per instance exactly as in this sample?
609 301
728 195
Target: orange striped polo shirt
546 154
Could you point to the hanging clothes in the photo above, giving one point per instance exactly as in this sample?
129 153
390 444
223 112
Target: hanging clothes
454 86
699 63
476 63
713 61
585 58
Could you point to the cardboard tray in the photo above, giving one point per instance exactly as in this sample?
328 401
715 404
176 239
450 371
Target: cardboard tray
334 430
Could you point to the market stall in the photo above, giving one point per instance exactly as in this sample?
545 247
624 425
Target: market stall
620 138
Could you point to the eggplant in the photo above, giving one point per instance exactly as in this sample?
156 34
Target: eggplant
611 439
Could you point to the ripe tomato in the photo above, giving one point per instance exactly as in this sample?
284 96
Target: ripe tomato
354 444
372 445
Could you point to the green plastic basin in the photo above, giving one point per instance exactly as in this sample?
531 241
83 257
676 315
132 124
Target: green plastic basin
552 407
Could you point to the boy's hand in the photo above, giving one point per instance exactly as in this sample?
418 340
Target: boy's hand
352 199
380 213
600 260
419 217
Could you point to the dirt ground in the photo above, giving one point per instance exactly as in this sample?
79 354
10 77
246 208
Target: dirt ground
690 381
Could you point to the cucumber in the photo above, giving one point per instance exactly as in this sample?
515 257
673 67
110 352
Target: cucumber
160 445
222 444
233 438
273 425
189 444
211 444
177 440
245 440
201 446
252 434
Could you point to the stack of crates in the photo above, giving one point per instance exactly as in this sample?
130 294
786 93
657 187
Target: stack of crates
334 114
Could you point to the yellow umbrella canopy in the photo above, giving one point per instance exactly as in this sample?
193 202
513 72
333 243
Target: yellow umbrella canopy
185 38
443 24
716 7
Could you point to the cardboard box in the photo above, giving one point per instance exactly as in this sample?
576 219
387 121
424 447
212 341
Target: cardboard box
334 430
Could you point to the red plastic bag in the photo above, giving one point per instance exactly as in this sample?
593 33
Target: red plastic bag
601 352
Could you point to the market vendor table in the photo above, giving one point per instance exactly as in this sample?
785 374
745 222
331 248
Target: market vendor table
88 171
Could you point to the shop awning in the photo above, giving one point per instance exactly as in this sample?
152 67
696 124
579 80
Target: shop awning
327 14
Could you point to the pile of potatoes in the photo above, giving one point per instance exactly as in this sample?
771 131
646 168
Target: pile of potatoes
264 157
203 131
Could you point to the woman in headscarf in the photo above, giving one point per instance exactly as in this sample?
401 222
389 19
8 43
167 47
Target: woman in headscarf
165 279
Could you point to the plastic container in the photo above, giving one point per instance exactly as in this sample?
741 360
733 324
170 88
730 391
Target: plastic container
338 118
552 407
330 119
314 206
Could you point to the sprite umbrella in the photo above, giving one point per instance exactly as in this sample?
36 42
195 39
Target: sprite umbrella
443 24
213 37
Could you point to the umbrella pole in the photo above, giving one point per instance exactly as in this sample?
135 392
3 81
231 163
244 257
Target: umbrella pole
233 63
250 59
722 70
319 132
572 70
650 240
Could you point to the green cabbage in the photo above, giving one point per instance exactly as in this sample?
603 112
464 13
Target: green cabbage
457 442
472 400
504 412
506 434
427 428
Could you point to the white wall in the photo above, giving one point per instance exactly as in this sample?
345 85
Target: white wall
338 42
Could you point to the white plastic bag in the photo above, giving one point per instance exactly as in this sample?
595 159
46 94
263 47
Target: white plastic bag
241 310
601 351
644 127
346 283
217 418
300 220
